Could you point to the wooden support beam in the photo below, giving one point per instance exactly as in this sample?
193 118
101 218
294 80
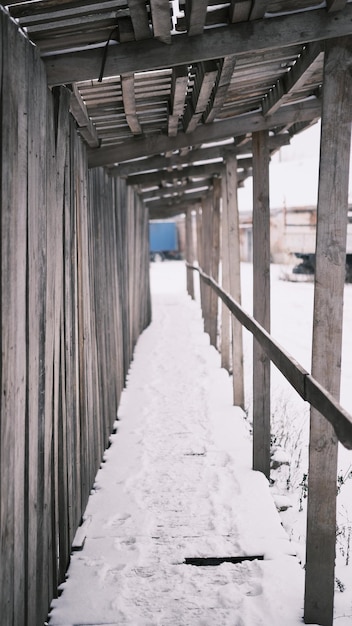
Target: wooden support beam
214 254
140 19
207 216
236 39
233 243
261 302
240 10
178 97
159 162
327 329
204 80
195 13
192 171
248 122
295 78
223 80
258 9
129 103
79 111
225 279
176 191
161 18
178 201
190 252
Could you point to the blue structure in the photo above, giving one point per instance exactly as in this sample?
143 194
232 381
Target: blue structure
163 240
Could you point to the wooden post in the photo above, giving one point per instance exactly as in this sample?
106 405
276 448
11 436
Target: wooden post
214 253
225 280
327 329
261 302
189 252
234 277
200 234
207 210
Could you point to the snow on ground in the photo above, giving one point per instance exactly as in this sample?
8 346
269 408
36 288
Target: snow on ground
176 482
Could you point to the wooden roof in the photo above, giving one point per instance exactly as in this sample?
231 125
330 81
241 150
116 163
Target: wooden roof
153 82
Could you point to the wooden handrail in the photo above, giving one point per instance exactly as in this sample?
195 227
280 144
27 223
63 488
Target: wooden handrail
303 382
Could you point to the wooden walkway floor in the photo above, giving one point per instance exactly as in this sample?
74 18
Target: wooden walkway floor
176 484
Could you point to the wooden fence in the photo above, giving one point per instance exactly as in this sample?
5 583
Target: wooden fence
74 298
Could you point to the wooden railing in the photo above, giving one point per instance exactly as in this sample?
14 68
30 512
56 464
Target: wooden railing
303 382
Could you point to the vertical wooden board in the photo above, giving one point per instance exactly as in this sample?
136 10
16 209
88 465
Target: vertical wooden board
261 301
46 478
233 243
36 328
215 258
332 217
207 214
189 252
61 105
20 252
13 307
225 279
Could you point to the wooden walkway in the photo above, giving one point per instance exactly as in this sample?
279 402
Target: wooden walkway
176 484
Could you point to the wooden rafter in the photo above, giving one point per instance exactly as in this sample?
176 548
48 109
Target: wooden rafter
238 39
195 13
161 162
176 190
85 125
179 200
129 102
211 132
178 97
140 19
220 90
204 80
239 10
192 171
294 79
258 9
161 18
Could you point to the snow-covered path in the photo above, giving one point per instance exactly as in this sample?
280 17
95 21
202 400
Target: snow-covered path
176 483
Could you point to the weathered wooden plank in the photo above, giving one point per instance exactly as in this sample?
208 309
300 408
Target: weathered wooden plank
204 80
129 102
294 79
225 279
160 162
36 329
13 204
196 171
189 252
233 244
247 122
261 302
236 39
239 10
79 112
140 19
214 259
195 13
222 84
327 327
258 9
161 18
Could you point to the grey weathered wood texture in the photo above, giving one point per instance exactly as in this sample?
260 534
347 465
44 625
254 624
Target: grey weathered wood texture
69 246
261 302
332 216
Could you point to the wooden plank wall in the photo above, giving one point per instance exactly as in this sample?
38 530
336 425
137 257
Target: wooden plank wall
74 299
